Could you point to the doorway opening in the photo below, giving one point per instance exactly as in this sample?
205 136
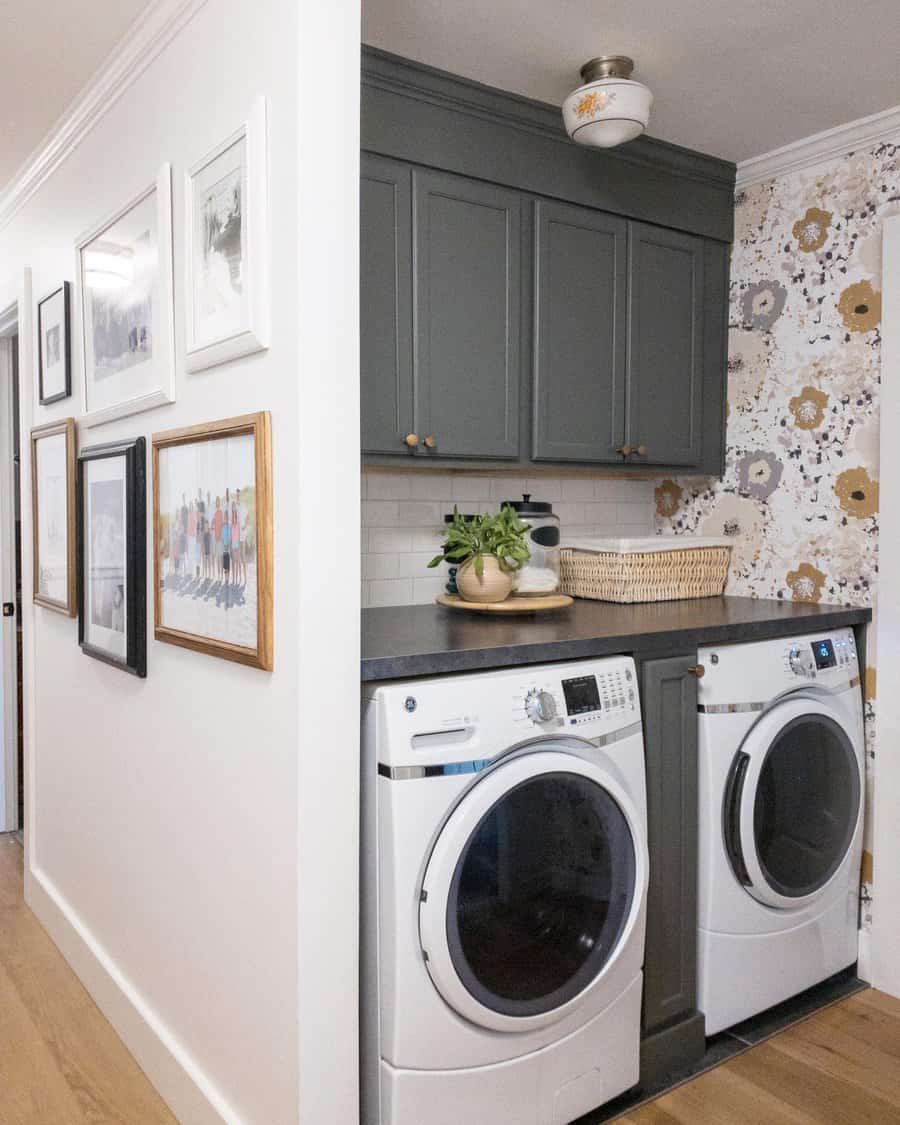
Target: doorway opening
12 778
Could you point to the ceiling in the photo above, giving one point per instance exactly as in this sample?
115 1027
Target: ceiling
49 49
734 78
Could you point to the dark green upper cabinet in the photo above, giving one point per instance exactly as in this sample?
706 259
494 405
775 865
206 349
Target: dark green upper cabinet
579 334
665 347
385 304
467 322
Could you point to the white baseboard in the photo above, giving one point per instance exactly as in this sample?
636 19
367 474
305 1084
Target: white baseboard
864 957
181 1083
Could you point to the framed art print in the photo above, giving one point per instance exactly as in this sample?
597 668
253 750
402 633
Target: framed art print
212 530
125 307
227 283
112 554
54 346
53 515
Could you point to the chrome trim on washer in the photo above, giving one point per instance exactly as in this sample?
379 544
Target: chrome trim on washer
729 708
476 765
415 773
743 708
616 735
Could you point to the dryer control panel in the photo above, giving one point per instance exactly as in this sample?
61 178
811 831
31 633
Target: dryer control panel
582 699
809 657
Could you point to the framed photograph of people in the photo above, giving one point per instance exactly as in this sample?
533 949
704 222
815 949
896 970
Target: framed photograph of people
112 554
212 528
227 254
54 346
125 304
53 515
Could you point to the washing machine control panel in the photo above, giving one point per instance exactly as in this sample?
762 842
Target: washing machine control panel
808 658
579 700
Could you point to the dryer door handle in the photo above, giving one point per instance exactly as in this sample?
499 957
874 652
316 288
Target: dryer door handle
731 815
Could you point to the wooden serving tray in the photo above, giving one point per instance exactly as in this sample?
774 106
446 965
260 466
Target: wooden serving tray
511 605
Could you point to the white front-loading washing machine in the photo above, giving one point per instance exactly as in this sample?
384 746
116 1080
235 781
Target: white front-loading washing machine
504 876
781 780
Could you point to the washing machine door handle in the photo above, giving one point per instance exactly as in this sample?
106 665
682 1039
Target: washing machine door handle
731 816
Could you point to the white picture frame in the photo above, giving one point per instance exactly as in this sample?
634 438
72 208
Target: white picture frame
142 269
227 287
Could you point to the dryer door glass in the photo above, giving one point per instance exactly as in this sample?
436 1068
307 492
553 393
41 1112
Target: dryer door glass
541 894
806 805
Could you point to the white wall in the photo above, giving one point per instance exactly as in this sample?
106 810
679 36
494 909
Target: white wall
403 519
177 830
886 912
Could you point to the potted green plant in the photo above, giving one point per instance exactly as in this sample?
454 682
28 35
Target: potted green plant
488 549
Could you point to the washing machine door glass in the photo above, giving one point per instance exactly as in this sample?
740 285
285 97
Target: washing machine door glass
792 804
537 890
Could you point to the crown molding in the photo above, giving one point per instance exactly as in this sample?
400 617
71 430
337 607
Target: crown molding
828 145
144 41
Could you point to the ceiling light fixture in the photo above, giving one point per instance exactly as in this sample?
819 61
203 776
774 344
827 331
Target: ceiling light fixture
610 108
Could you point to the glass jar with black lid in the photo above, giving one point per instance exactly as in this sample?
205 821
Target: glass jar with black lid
540 575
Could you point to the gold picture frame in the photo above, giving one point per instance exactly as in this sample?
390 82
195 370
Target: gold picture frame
212 539
68 604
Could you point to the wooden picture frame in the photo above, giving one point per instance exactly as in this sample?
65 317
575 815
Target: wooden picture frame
41 583
62 342
113 628
213 575
128 255
224 320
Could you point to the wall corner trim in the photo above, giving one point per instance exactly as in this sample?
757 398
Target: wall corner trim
828 145
176 1075
147 37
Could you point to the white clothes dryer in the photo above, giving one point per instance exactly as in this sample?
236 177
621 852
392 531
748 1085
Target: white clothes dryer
781 777
504 874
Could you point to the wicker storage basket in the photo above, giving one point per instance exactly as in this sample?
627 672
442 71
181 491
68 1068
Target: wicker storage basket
662 568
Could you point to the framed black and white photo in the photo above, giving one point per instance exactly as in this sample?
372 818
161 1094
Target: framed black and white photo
54 348
53 515
125 307
227 281
112 554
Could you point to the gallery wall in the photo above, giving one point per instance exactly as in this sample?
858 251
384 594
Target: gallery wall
177 823
800 495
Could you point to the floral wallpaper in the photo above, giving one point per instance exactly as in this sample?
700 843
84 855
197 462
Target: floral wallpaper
800 490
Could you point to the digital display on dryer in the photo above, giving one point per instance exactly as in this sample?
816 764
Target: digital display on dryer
582 695
823 651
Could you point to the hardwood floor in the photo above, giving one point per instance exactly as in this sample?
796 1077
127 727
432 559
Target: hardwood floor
61 1063
840 1066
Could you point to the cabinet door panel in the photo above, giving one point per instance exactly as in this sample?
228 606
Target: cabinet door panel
665 346
467 315
669 697
385 305
579 349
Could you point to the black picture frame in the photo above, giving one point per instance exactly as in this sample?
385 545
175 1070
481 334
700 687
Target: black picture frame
134 454
67 344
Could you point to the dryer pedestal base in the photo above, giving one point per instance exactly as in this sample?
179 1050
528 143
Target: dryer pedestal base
550 1087
771 967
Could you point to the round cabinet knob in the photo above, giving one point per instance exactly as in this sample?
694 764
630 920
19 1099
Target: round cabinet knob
641 451
540 706
625 450
802 663
697 671
412 440
430 442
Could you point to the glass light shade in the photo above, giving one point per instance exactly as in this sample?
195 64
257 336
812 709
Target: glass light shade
607 112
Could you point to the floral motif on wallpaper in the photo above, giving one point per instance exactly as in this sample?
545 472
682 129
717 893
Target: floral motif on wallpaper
799 496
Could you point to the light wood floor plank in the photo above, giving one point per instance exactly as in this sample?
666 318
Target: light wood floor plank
54 1041
839 1067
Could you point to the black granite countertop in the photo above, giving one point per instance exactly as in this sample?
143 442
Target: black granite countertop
400 642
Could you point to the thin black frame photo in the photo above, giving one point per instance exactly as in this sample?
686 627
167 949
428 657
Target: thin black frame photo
135 532
67 344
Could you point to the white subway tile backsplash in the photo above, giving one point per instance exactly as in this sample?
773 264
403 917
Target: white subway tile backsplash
389 486
403 519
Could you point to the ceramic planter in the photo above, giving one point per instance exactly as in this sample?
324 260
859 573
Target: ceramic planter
494 585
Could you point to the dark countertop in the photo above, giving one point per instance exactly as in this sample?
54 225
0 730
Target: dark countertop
400 642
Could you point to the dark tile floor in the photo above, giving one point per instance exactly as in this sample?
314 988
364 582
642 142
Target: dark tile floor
732 1042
